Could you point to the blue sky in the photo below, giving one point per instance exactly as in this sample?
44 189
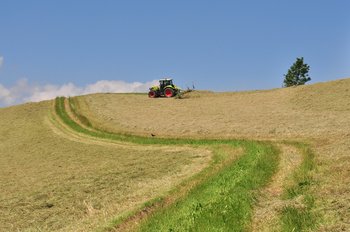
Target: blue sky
218 45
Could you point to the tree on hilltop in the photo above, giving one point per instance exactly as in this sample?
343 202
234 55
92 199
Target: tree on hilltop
297 73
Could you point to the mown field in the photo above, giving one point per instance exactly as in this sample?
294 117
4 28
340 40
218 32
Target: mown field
51 180
273 160
317 114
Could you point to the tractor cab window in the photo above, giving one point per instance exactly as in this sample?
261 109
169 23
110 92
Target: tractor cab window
168 82
164 83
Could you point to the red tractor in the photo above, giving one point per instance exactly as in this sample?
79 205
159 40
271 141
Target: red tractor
166 88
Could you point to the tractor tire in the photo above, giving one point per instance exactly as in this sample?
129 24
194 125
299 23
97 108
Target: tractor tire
168 92
152 94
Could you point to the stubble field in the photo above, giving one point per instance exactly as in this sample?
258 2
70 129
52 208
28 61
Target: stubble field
51 180
71 175
318 114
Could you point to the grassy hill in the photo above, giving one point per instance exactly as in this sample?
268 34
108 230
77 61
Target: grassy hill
102 163
300 112
51 180
318 114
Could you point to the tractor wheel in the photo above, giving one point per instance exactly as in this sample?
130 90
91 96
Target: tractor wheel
169 92
152 94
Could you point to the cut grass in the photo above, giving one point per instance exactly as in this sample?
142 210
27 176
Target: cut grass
223 156
304 112
29 151
291 217
318 113
222 201
74 105
302 177
62 113
54 182
299 216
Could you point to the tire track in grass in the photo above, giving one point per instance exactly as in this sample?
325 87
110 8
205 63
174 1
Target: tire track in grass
58 127
225 201
181 191
266 216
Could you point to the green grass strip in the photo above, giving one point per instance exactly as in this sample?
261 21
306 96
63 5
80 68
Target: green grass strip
62 113
74 105
225 201
300 216
222 202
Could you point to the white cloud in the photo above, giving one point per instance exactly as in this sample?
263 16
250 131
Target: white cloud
22 91
1 61
5 96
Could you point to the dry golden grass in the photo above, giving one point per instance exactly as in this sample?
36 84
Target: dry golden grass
270 200
301 112
319 114
52 181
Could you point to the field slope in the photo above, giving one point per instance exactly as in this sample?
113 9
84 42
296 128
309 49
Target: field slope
273 160
317 114
51 180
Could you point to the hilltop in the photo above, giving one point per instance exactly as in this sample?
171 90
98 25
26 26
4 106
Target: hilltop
298 112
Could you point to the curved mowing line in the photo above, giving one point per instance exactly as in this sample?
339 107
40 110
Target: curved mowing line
220 202
61 112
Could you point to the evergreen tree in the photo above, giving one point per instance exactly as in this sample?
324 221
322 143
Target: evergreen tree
297 73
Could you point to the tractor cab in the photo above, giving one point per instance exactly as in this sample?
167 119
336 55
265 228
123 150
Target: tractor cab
165 82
